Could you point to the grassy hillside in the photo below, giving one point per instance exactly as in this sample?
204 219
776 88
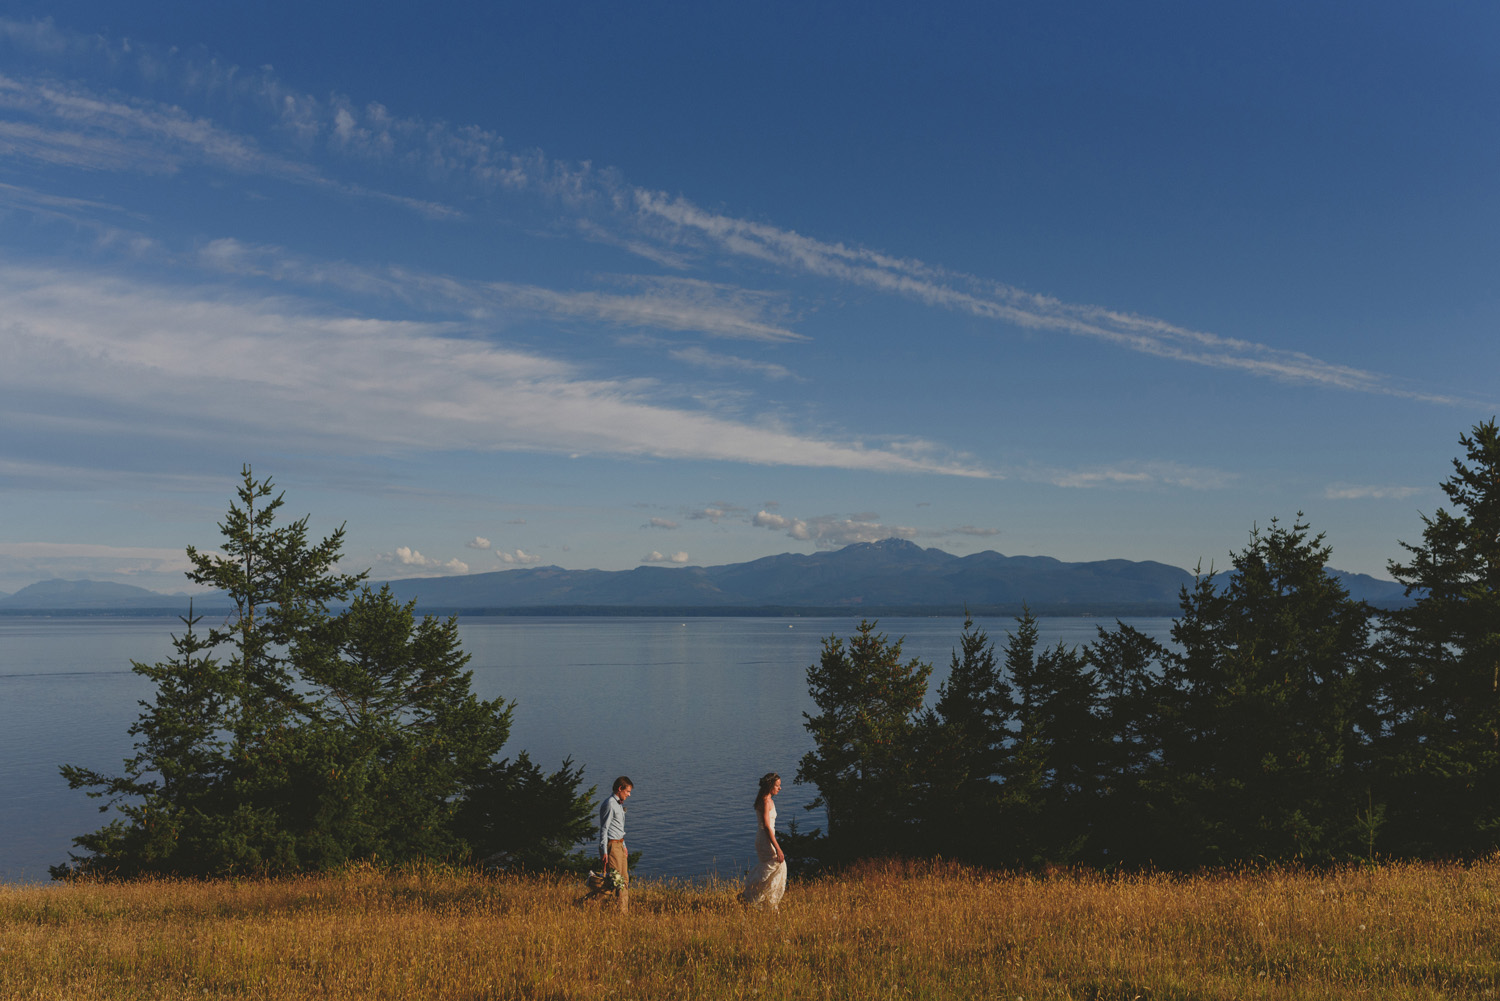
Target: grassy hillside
1393 932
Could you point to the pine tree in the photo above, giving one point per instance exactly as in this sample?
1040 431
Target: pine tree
299 735
1261 742
862 761
518 817
1440 687
1128 666
962 742
1051 771
395 735
175 777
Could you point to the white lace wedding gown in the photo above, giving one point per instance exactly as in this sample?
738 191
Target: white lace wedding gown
767 881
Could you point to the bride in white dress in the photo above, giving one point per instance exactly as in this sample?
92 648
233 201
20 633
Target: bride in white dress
767 881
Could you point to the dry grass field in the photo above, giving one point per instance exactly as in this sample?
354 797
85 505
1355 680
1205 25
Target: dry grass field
887 931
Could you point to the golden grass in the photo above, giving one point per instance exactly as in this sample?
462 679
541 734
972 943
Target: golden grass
887 931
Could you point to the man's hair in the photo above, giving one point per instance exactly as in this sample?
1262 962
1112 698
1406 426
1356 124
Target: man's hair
623 782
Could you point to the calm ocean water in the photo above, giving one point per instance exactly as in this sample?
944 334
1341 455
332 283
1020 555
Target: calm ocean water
693 710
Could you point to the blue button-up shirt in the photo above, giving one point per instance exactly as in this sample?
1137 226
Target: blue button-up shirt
611 822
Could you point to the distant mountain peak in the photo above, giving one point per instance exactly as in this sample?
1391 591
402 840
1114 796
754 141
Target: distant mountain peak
58 586
891 550
890 544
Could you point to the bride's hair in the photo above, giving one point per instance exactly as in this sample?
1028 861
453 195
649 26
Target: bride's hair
767 783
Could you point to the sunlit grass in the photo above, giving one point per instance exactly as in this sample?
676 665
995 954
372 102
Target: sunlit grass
885 931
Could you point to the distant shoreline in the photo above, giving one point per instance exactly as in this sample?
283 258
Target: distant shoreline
1141 610
667 612
1054 611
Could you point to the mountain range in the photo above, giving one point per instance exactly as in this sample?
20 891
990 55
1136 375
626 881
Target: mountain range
893 576
94 596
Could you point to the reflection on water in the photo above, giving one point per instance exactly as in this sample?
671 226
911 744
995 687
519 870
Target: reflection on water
693 710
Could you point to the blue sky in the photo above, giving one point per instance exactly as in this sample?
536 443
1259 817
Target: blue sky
597 285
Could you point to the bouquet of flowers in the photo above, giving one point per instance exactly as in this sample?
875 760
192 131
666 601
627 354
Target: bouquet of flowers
610 879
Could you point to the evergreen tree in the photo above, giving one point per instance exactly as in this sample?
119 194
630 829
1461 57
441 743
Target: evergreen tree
518 817
862 760
395 736
175 778
1051 773
1441 669
1023 769
295 736
1261 738
962 742
1128 666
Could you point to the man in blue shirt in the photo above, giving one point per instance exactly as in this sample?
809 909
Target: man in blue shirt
612 853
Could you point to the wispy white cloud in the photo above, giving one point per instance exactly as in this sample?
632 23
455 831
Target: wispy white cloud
666 523
656 557
478 156
596 233
72 209
478 542
24 141
1136 474
336 125
98 133
74 126
100 218
81 128
793 527
831 531
678 220
694 355
675 306
1354 491
266 365
713 309
38 35
518 557
714 512
61 474
408 557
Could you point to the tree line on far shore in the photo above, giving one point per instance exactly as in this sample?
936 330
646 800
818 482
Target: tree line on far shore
1285 722
324 723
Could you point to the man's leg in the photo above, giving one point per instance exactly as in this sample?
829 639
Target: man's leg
618 860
